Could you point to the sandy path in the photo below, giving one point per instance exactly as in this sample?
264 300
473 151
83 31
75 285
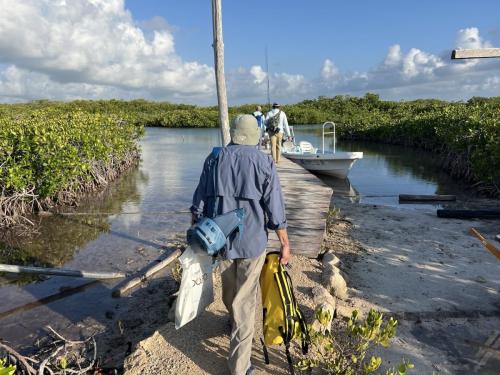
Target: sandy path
438 280
201 346
440 283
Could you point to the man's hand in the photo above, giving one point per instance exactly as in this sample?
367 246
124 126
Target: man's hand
194 218
285 246
285 254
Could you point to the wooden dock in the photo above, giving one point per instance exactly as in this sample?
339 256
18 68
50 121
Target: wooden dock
307 202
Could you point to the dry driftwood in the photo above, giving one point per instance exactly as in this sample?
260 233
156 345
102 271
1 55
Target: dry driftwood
145 274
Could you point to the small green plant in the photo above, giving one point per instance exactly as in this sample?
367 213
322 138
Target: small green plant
6 369
345 352
63 362
334 213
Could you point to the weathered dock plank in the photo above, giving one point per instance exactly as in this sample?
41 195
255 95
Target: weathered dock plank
307 201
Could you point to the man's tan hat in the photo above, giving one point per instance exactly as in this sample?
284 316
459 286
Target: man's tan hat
244 130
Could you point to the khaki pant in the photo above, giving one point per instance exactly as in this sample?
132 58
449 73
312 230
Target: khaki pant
276 146
240 279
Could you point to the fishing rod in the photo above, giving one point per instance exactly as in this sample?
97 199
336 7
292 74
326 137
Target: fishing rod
267 75
148 213
180 212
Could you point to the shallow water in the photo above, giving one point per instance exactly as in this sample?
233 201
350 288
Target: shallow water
386 171
165 180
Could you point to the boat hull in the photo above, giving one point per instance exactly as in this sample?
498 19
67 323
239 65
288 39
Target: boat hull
336 165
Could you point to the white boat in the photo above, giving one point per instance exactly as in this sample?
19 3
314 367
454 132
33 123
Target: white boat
331 163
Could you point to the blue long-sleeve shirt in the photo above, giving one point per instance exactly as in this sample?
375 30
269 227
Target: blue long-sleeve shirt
246 178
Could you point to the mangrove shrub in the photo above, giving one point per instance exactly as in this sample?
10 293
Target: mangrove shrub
49 155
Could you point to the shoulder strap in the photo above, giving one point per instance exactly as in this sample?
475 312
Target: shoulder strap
287 301
299 317
215 152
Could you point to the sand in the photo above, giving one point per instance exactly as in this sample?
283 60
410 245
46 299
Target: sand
201 346
431 274
437 280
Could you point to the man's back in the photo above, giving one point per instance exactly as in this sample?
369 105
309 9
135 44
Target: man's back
283 120
246 178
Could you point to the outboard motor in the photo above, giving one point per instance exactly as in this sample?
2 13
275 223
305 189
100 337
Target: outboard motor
211 235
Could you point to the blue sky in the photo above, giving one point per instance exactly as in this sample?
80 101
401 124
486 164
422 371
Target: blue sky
300 34
161 50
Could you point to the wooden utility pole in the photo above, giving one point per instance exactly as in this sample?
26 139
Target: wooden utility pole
219 71
479 53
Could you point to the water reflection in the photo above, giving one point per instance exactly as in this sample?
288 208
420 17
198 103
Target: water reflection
387 171
56 239
342 187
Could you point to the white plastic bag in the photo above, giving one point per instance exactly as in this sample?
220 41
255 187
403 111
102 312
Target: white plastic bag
197 286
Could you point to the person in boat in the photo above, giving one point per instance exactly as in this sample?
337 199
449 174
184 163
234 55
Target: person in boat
244 178
277 127
261 122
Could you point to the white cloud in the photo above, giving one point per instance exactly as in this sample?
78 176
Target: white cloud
470 38
258 73
417 62
329 70
286 86
68 49
393 57
96 42
250 85
20 85
416 73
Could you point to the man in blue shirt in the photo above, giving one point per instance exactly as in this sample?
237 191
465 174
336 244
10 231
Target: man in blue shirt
261 123
244 178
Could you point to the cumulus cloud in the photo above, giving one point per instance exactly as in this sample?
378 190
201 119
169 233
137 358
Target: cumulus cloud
409 74
246 85
18 84
258 73
416 73
417 62
329 70
393 57
470 38
96 42
68 49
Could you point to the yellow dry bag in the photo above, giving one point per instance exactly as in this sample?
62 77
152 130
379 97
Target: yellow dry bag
283 320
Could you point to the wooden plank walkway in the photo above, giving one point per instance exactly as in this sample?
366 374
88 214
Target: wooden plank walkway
307 202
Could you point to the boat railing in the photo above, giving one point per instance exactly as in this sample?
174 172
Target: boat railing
332 124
